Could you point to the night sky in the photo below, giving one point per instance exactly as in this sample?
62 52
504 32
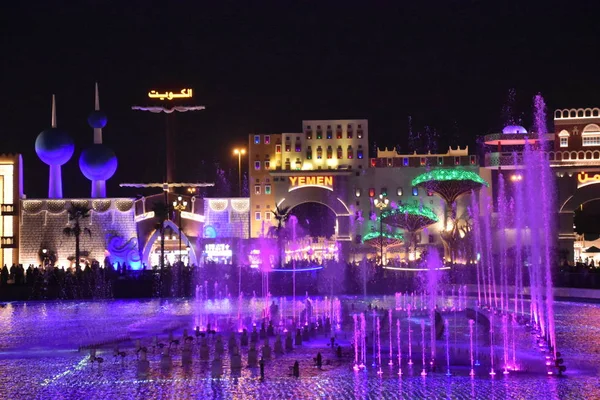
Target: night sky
448 64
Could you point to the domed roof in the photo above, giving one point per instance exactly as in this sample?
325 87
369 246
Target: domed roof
54 147
98 163
514 129
97 119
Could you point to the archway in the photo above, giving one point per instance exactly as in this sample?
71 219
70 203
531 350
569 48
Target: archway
184 242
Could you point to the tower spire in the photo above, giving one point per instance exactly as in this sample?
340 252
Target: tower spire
53 111
97 105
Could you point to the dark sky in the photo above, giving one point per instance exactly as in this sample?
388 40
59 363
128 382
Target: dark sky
260 68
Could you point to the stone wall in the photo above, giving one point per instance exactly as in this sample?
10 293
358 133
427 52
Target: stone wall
42 223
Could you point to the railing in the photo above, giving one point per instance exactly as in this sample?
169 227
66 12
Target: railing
8 242
7 209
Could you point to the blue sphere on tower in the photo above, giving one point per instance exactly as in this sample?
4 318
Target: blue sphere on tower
98 162
54 146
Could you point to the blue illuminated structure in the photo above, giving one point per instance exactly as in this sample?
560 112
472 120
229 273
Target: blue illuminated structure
54 147
98 163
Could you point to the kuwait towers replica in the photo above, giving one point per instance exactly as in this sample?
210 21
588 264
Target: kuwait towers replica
98 163
54 147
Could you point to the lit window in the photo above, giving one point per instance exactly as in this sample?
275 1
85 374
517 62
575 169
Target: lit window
309 153
415 191
373 162
268 216
267 164
423 161
473 160
329 153
267 139
298 147
309 133
440 160
329 133
338 132
358 192
278 148
267 189
564 142
456 160
591 140
257 215
359 132
399 191
256 189
384 191
350 152
319 153
429 193
257 139
405 161
349 132
359 154
288 147
257 165
371 192
319 133
340 153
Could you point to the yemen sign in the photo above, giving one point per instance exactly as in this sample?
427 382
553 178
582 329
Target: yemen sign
297 182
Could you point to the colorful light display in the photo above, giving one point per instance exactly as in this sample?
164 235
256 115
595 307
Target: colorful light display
448 175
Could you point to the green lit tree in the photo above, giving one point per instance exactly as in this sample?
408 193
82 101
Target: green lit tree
410 218
450 184
77 213
383 240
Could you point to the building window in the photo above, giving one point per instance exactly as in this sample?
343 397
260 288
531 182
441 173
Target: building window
267 189
384 191
350 153
329 153
399 191
358 192
257 215
309 153
288 147
429 193
405 161
256 189
340 153
456 160
440 160
338 132
298 164
309 134
319 132
359 132
257 165
423 161
287 163
278 148
267 164
329 133
298 147
415 191
371 192
359 154
267 139
257 139
564 142
268 216
590 140
349 132
319 153
473 160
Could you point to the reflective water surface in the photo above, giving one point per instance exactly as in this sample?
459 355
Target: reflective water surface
40 358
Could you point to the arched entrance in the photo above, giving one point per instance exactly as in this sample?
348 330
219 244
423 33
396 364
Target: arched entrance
589 194
322 196
185 243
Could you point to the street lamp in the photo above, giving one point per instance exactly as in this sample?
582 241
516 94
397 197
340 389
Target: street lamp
45 253
239 153
381 203
180 205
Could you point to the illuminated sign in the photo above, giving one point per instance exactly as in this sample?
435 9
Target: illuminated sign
325 182
217 250
183 94
584 179
145 216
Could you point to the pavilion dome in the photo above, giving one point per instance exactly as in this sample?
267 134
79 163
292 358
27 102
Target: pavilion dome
512 129
54 147
98 163
97 119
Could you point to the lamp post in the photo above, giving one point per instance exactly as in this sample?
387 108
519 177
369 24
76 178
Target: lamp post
180 205
381 203
45 253
239 153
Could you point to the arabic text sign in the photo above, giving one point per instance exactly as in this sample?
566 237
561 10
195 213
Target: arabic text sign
584 179
218 250
183 94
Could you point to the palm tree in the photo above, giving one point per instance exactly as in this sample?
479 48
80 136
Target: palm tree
76 214
281 216
161 213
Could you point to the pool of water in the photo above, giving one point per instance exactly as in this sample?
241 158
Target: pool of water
40 357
